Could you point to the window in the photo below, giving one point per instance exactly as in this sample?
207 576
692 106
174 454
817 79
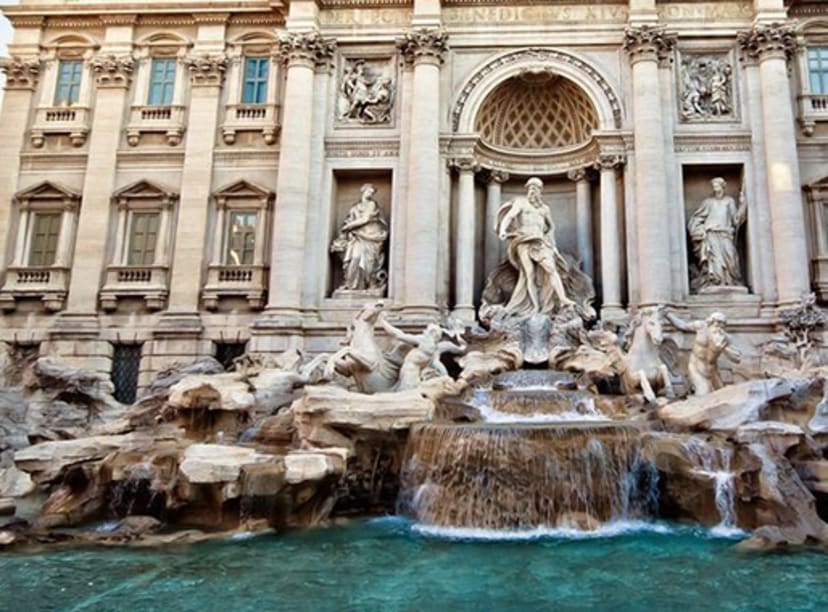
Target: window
70 73
255 80
241 238
162 82
143 235
818 69
45 231
126 365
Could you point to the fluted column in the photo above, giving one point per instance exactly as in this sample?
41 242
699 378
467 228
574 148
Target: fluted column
424 48
464 245
645 44
772 45
301 52
113 75
583 218
610 235
493 199
206 73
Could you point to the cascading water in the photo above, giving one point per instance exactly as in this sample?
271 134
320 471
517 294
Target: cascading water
519 475
714 462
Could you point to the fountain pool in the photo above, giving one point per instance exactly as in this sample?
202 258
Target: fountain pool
391 564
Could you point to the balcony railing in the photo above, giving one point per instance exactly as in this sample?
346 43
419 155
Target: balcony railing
71 120
47 283
167 120
251 118
149 283
248 282
813 108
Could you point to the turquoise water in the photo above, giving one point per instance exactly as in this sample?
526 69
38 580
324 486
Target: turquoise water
387 564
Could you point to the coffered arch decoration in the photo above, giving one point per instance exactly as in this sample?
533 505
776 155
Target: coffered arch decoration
536 60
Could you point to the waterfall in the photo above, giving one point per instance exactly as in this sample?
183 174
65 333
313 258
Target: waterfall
714 462
519 475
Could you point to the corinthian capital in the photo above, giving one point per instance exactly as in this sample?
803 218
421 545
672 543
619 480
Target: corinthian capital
423 44
310 48
648 42
206 70
765 41
608 161
112 70
20 73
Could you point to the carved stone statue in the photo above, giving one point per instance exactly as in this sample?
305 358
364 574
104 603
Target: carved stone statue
707 91
361 245
366 95
711 341
713 229
423 360
536 278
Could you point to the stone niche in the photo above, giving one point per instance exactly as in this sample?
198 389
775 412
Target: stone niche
696 188
346 192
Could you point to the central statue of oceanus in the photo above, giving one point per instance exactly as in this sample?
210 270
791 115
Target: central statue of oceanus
536 277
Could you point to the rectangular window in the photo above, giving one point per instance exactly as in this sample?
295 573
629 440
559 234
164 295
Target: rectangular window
143 234
162 82
255 80
45 232
126 365
70 73
241 238
818 69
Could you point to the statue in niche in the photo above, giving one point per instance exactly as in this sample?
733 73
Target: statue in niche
366 94
361 245
712 230
536 278
707 91
711 341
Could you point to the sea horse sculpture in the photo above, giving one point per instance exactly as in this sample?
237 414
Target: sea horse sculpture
643 365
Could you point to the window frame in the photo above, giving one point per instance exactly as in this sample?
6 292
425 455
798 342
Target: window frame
250 230
259 82
145 251
74 84
167 81
818 54
56 217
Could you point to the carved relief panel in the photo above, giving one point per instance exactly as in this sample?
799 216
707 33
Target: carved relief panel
367 89
706 87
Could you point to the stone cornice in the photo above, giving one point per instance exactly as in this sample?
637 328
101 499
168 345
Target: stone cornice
206 70
767 41
112 71
309 48
423 45
21 73
647 42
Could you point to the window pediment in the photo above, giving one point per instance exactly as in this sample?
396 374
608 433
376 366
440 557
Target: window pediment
144 191
47 192
244 192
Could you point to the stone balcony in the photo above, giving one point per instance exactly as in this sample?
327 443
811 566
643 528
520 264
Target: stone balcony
246 281
50 284
251 118
71 120
167 120
149 283
812 108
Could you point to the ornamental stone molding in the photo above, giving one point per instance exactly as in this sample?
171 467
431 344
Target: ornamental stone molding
577 175
498 176
308 48
112 71
608 161
768 41
206 70
423 45
706 88
645 42
20 73
464 164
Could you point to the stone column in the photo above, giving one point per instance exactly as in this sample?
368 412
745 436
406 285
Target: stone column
583 218
112 77
219 232
464 246
424 48
21 80
301 52
206 73
610 236
492 243
22 234
645 44
63 249
162 245
773 45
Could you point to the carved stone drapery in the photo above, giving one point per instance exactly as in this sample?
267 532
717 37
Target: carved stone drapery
206 70
20 73
648 42
423 44
706 88
777 39
112 70
306 47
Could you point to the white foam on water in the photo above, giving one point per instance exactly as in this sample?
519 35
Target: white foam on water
489 414
608 530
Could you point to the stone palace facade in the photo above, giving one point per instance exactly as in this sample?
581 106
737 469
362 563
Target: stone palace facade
186 178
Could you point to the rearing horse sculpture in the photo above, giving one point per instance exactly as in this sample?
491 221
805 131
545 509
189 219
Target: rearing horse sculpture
643 365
